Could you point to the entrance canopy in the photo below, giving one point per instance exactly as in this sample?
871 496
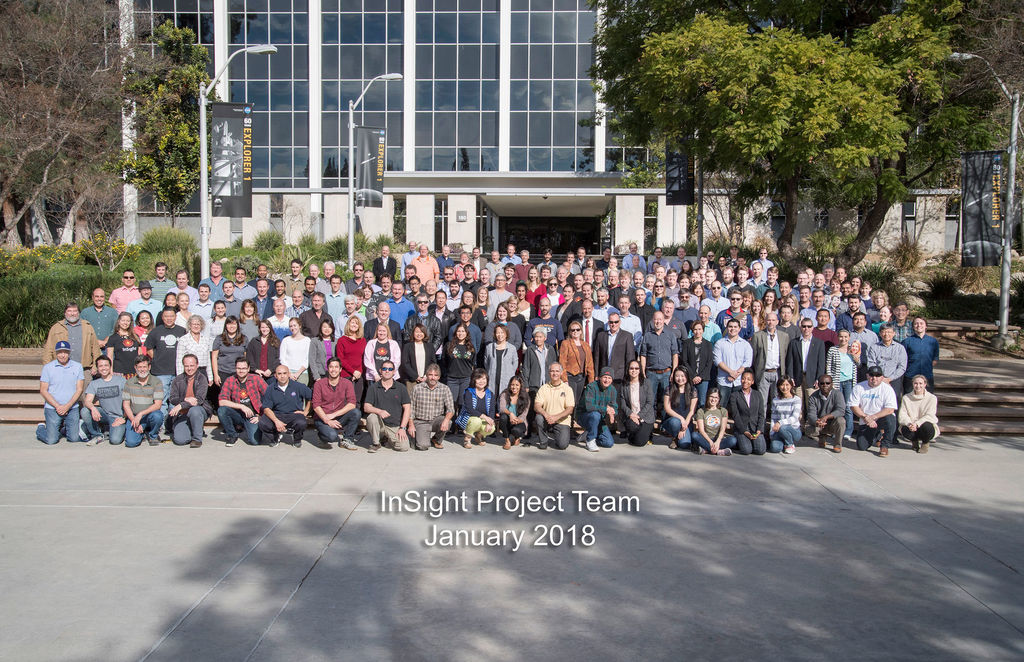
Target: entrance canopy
541 205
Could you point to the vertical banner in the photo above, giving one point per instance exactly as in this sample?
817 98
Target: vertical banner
982 208
370 151
678 177
231 160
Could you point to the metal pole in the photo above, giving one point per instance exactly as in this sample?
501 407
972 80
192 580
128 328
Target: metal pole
204 188
700 209
351 185
1008 217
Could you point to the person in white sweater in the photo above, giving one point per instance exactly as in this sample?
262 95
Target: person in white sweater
917 416
295 350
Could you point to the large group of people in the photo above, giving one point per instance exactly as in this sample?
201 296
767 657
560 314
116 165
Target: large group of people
715 354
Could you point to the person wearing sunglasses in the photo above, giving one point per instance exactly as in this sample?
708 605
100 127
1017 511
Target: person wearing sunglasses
735 311
128 292
387 410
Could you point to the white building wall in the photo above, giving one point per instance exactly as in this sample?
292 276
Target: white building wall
419 219
463 233
378 220
629 223
671 223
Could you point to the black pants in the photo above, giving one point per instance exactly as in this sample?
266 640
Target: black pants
637 435
509 430
924 433
756 446
577 383
294 423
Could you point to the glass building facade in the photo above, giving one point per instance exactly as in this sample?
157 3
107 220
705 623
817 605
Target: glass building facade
490 85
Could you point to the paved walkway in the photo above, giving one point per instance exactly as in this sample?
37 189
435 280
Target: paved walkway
284 554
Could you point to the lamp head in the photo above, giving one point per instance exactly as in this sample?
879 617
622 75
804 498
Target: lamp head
263 49
391 77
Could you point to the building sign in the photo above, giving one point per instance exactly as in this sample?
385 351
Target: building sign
982 210
370 151
679 189
231 159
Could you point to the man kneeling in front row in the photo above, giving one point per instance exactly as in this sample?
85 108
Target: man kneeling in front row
241 398
334 403
189 408
825 411
285 404
874 404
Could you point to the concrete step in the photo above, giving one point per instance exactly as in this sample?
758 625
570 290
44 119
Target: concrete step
984 428
984 398
20 399
14 384
21 370
949 411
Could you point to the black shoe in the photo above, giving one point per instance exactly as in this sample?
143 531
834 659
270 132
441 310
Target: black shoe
230 442
154 442
542 447
324 445
275 440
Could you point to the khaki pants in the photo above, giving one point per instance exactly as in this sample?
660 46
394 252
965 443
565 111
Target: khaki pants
832 432
385 434
426 431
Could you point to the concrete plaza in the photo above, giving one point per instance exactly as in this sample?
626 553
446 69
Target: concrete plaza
243 553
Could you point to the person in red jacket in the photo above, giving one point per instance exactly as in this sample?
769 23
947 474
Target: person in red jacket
349 350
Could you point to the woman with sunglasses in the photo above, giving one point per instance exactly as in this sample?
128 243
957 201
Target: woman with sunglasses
577 361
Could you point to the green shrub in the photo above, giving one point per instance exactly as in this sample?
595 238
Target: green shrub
268 240
237 243
823 246
35 301
308 242
165 239
943 286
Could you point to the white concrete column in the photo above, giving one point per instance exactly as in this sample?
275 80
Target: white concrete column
504 84
600 135
409 86
220 45
419 220
316 204
129 194
671 223
462 232
629 222
335 215
260 220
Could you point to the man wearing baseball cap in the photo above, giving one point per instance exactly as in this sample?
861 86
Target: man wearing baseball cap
873 402
145 302
61 383
600 404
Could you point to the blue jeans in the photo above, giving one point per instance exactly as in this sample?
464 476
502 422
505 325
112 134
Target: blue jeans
597 430
659 387
884 433
787 435
349 425
725 392
187 426
728 441
702 392
166 381
95 428
671 427
846 388
57 425
151 423
231 420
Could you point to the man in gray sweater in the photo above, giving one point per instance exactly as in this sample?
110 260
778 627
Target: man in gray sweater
891 357
826 411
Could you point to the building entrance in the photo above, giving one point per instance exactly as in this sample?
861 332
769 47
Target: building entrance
561 235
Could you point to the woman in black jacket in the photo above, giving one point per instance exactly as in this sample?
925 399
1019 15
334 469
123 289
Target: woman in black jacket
697 357
263 351
636 404
417 354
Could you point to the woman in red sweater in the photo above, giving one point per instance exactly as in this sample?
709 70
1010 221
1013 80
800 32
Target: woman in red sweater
349 350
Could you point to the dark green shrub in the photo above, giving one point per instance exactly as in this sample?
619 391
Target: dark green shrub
268 240
165 239
943 286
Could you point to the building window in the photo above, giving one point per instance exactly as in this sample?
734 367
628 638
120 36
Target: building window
440 222
909 224
777 218
821 219
952 229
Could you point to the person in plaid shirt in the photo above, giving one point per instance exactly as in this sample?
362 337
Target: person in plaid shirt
240 403
432 410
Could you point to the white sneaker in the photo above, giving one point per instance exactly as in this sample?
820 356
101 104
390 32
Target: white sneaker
789 450
592 446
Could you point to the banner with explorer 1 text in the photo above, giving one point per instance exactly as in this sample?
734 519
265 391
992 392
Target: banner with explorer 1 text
982 208
371 143
231 159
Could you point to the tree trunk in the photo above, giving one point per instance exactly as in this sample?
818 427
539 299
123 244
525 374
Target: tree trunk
792 202
873 220
38 217
10 228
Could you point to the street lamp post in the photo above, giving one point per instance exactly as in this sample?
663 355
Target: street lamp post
352 164
204 175
1009 214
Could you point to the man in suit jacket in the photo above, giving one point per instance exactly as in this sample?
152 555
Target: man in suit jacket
806 360
592 327
746 413
383 317
770 348
614 349
385 264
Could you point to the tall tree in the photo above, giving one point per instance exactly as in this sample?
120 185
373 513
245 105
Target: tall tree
59 101
852 99
162 85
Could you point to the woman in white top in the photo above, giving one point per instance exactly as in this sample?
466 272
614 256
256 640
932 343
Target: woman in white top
295 350
197 342
918 420
220 315
379 349
183 315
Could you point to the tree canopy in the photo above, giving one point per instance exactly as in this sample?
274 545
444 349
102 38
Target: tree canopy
162 86
855 102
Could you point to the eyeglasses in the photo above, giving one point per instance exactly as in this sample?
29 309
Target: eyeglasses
128 277
806 326
735 299
828 383
659 287
575 330
613 321
387 369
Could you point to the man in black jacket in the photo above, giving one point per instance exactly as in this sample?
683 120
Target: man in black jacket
385 264
746 411
614 349
189 408
421 315
806 358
